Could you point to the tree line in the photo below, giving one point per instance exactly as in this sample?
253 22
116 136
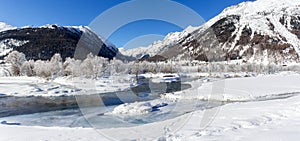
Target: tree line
95 66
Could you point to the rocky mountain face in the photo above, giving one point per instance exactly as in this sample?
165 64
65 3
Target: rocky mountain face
263 31
43 42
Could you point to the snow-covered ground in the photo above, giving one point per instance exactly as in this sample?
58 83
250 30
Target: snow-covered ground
266 107
34 86
243 89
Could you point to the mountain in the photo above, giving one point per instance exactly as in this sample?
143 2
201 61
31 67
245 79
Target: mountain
158 46
4 26
262 31
43 42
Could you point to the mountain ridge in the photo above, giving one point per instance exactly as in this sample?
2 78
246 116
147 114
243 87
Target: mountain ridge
4 26
263 31
43 42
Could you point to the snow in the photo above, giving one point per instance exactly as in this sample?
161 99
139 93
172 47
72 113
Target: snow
101 85
7 44
258 14
133 109
166 78
18 85
88 31
264 120
34 86
19 133
4 26
243 89
268 107
28 86
50 26
159 46
255 15
138 108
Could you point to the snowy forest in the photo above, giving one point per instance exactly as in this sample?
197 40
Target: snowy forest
95 66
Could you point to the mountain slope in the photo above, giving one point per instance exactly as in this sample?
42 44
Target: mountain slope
43 42
257 31
158 46
262 31
4 26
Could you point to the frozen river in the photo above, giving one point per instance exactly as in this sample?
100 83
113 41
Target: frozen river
64 110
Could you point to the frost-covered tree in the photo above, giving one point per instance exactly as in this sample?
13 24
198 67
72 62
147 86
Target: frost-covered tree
87 67
27 68
116 66
16 59
71 67
42 68
56 65
94 66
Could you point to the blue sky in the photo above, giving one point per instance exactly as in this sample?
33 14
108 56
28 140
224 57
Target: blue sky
81 12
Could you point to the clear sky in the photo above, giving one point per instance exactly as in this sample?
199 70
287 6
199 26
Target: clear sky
81 12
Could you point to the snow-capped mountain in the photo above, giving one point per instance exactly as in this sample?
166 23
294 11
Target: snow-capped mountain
261 31
43 42
158 46
4 26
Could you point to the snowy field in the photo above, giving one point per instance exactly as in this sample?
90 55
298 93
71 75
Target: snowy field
34 86
266 107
